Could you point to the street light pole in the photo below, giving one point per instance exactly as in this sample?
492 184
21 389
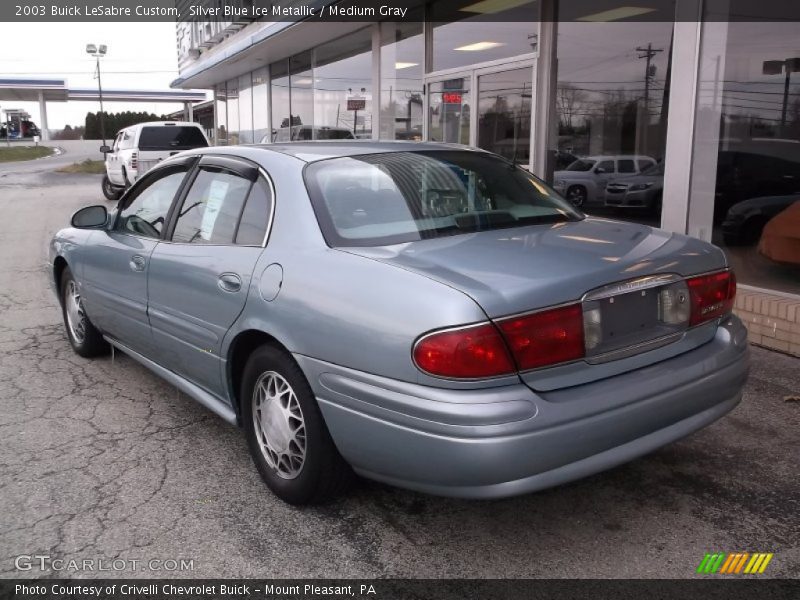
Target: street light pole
98 52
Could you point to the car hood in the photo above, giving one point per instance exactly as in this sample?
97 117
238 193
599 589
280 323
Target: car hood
508 271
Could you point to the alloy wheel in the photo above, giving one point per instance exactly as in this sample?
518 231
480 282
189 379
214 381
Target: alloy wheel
76 317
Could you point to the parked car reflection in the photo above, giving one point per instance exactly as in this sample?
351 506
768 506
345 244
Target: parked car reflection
746 219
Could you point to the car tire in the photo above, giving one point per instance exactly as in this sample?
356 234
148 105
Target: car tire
110 191
577 195
286 434
83 336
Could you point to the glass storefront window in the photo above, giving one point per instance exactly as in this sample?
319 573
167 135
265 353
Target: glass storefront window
459 41
746 180
611 114
280 96
245 109
233 111
402 67
260 130
342 83
221 111
504 113
449 108
301 83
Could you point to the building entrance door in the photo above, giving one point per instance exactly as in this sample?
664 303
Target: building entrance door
489 107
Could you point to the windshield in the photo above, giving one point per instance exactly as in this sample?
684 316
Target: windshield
582 164
168 137
397 197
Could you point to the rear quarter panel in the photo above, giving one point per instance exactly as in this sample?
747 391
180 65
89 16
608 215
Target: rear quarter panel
335 306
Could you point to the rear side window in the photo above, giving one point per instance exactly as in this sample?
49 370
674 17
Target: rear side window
626 165
211 210
169 137
253 225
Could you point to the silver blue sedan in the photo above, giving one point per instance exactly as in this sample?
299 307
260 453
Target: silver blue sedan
425 315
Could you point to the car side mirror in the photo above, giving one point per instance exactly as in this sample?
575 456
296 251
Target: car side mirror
90 217
599 170
106 150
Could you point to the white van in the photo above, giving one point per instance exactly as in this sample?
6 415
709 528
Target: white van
136 149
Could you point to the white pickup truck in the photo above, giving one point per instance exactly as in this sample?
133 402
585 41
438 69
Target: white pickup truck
136 149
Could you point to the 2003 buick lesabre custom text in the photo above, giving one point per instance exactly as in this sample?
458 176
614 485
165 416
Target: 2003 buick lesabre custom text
426 315
101 10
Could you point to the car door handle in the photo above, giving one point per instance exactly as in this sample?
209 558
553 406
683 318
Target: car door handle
137 263
229 282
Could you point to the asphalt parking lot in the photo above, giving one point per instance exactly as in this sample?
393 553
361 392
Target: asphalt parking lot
102 460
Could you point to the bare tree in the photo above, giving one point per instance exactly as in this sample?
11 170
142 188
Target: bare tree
570 102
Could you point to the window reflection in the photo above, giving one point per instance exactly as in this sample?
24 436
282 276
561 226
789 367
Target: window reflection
463 36
756 212
449 106
402 61
611 105
504 113
343 87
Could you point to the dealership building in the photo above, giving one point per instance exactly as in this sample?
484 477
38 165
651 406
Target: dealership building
683 114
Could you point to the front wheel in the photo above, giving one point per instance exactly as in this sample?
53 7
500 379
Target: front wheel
285 431
110 191
577 195
83 336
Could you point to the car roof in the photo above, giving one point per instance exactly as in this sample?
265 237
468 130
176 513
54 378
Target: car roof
161 124
311 151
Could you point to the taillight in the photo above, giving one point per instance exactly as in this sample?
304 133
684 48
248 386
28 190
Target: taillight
536 340
712 296
545 338
467 352
134 161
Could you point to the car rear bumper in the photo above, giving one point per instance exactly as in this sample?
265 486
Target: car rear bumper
510 440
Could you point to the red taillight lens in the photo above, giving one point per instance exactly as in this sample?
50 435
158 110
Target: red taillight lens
545 338
470 352
712 296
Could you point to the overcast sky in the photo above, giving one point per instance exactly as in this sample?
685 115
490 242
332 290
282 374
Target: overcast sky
140 56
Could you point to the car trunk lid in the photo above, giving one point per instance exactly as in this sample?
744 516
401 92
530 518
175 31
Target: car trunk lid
519 270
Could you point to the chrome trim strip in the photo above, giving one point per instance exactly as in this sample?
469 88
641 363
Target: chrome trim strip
630 285
274 204
195 392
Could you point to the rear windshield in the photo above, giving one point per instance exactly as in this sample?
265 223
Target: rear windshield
398 197
169 137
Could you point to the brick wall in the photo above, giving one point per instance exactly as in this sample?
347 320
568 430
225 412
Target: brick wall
772 319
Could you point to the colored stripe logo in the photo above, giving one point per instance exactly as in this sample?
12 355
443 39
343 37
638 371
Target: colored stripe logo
735 563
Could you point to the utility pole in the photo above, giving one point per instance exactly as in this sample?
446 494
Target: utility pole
649 73
649 53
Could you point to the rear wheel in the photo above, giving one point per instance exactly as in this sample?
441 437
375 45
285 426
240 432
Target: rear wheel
285 431
84 337
110 191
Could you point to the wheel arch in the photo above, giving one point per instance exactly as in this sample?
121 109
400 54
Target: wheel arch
59 264
240 349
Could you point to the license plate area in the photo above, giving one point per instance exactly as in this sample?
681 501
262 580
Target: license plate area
629 315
